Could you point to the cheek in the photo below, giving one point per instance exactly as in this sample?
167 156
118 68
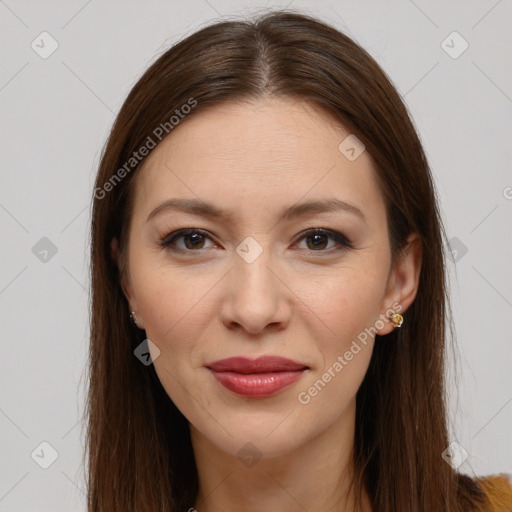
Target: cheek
167 297
350 309
346 302
177 309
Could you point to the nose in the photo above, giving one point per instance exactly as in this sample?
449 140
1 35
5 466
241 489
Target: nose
256 298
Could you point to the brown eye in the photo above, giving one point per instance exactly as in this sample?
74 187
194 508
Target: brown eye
196 241
318 240
193 239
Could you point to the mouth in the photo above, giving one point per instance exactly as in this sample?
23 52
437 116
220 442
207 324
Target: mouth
257 378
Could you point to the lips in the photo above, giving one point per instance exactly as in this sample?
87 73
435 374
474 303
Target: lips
263 364
261 377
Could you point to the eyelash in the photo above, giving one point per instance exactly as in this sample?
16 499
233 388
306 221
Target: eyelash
341 240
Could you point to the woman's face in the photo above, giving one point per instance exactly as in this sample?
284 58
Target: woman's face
251 282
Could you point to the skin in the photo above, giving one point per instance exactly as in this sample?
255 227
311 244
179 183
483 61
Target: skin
295 300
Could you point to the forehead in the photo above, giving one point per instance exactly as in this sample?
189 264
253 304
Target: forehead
262 152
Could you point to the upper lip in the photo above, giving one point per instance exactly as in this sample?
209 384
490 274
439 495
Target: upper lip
262 364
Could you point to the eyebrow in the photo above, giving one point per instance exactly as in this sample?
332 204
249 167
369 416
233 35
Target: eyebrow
204 209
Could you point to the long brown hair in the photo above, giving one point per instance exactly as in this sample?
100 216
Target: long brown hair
138 443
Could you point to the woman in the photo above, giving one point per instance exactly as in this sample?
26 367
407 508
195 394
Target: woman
268 287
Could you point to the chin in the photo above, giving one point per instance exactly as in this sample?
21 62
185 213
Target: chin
253 439
255 444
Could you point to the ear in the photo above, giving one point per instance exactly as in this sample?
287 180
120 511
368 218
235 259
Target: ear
403 282
126 284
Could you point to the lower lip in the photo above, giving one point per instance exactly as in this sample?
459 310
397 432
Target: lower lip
257 384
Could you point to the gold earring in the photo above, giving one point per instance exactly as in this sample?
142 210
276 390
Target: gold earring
397 319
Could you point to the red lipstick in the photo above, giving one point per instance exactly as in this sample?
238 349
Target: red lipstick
254 378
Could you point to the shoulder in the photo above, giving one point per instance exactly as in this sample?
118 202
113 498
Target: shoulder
498 490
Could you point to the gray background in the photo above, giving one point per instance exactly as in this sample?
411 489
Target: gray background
56 113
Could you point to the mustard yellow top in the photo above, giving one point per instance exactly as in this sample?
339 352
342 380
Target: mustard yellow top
498 489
